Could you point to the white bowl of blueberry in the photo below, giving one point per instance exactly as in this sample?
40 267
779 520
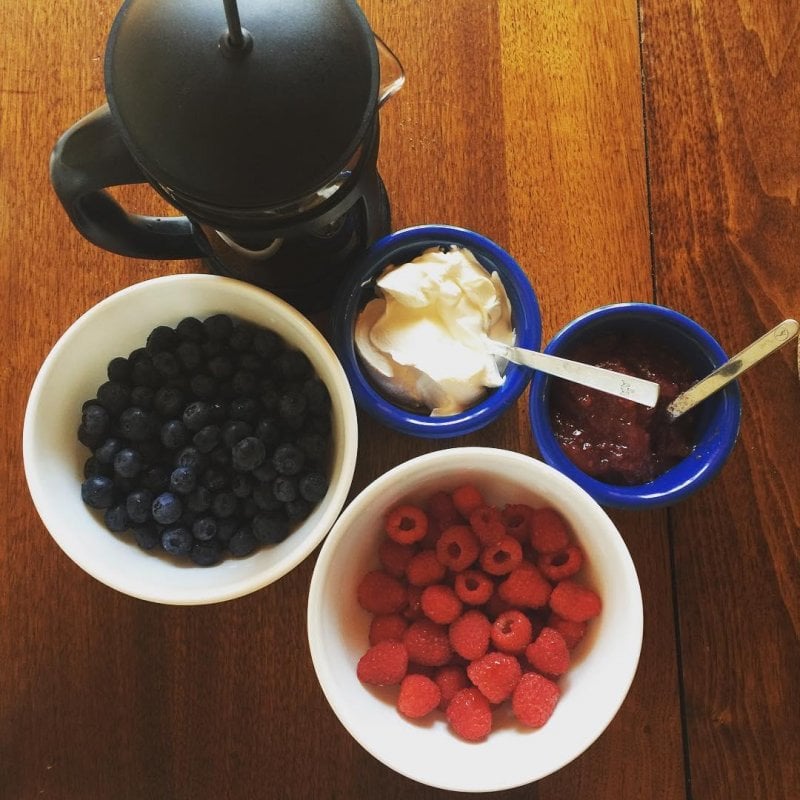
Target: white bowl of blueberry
190 439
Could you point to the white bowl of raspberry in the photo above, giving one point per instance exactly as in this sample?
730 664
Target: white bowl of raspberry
190 439
474 619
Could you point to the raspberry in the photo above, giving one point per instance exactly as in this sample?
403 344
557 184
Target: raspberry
394 557
384 664
495 606
534 699
440 604
517 519
450 679
380 593
469 635
419 695
441 508
387 626
549 531
466 498
511 632
473 587
458 547
428 542
487 524
503 557
424 569
525 587
548 653
572 632
496 675
406 524
427 643
561 564
470 715
574 602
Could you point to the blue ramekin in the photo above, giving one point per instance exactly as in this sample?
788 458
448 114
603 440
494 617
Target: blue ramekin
717 424
398 248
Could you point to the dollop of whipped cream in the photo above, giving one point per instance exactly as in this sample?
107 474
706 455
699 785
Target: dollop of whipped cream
423 338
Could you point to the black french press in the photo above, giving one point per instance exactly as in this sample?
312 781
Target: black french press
258 121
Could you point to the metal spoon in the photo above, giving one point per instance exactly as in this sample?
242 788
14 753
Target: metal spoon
731 369
605 380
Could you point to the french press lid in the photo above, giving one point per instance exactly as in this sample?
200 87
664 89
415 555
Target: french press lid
242 106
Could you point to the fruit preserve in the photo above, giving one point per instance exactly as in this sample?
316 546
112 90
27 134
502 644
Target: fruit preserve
615 440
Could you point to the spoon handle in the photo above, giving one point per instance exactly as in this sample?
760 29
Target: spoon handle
605 380
731 369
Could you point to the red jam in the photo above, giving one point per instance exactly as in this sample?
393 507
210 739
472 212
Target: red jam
615 440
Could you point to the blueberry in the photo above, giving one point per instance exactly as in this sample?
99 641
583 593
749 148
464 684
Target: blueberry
266 343
90 440
95 419
197 415
146 536
248 453
317 395
183 480
292 406
244 408
144 373
221 367
268 430
234 431
94 467
241 485
297 510
251 362
106 452
293 365
242 543
128 463
204 528
116 519
203 386
166 509
221 457
241 337
191 457
167 365
264 497
143 397
189 355
207 438
269 397
114 396
177 541
168 401
315 446
138 505
288 459
136 424
266 473
270 528
226 528
248 508
119 369
205 554
173 434
214 479
218 327
98 491
284 487
244 383
313 486
223 504
190 329
160 339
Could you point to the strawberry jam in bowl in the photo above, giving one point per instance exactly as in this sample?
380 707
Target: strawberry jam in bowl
624 454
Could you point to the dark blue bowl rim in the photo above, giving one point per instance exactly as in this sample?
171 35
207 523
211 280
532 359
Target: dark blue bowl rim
682 480
527 323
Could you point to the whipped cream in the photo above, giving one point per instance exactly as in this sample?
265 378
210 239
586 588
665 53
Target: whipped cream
423 339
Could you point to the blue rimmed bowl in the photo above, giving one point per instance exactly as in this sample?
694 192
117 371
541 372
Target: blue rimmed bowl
716 425
357 289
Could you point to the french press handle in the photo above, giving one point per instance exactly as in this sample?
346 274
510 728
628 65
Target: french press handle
86 160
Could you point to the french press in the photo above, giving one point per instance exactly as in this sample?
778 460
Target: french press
257 120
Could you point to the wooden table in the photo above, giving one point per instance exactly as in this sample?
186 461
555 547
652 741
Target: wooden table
621 150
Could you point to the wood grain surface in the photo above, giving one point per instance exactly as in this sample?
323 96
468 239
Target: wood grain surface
620 150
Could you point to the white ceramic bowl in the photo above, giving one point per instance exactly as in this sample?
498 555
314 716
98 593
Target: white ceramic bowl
54 458
592 690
